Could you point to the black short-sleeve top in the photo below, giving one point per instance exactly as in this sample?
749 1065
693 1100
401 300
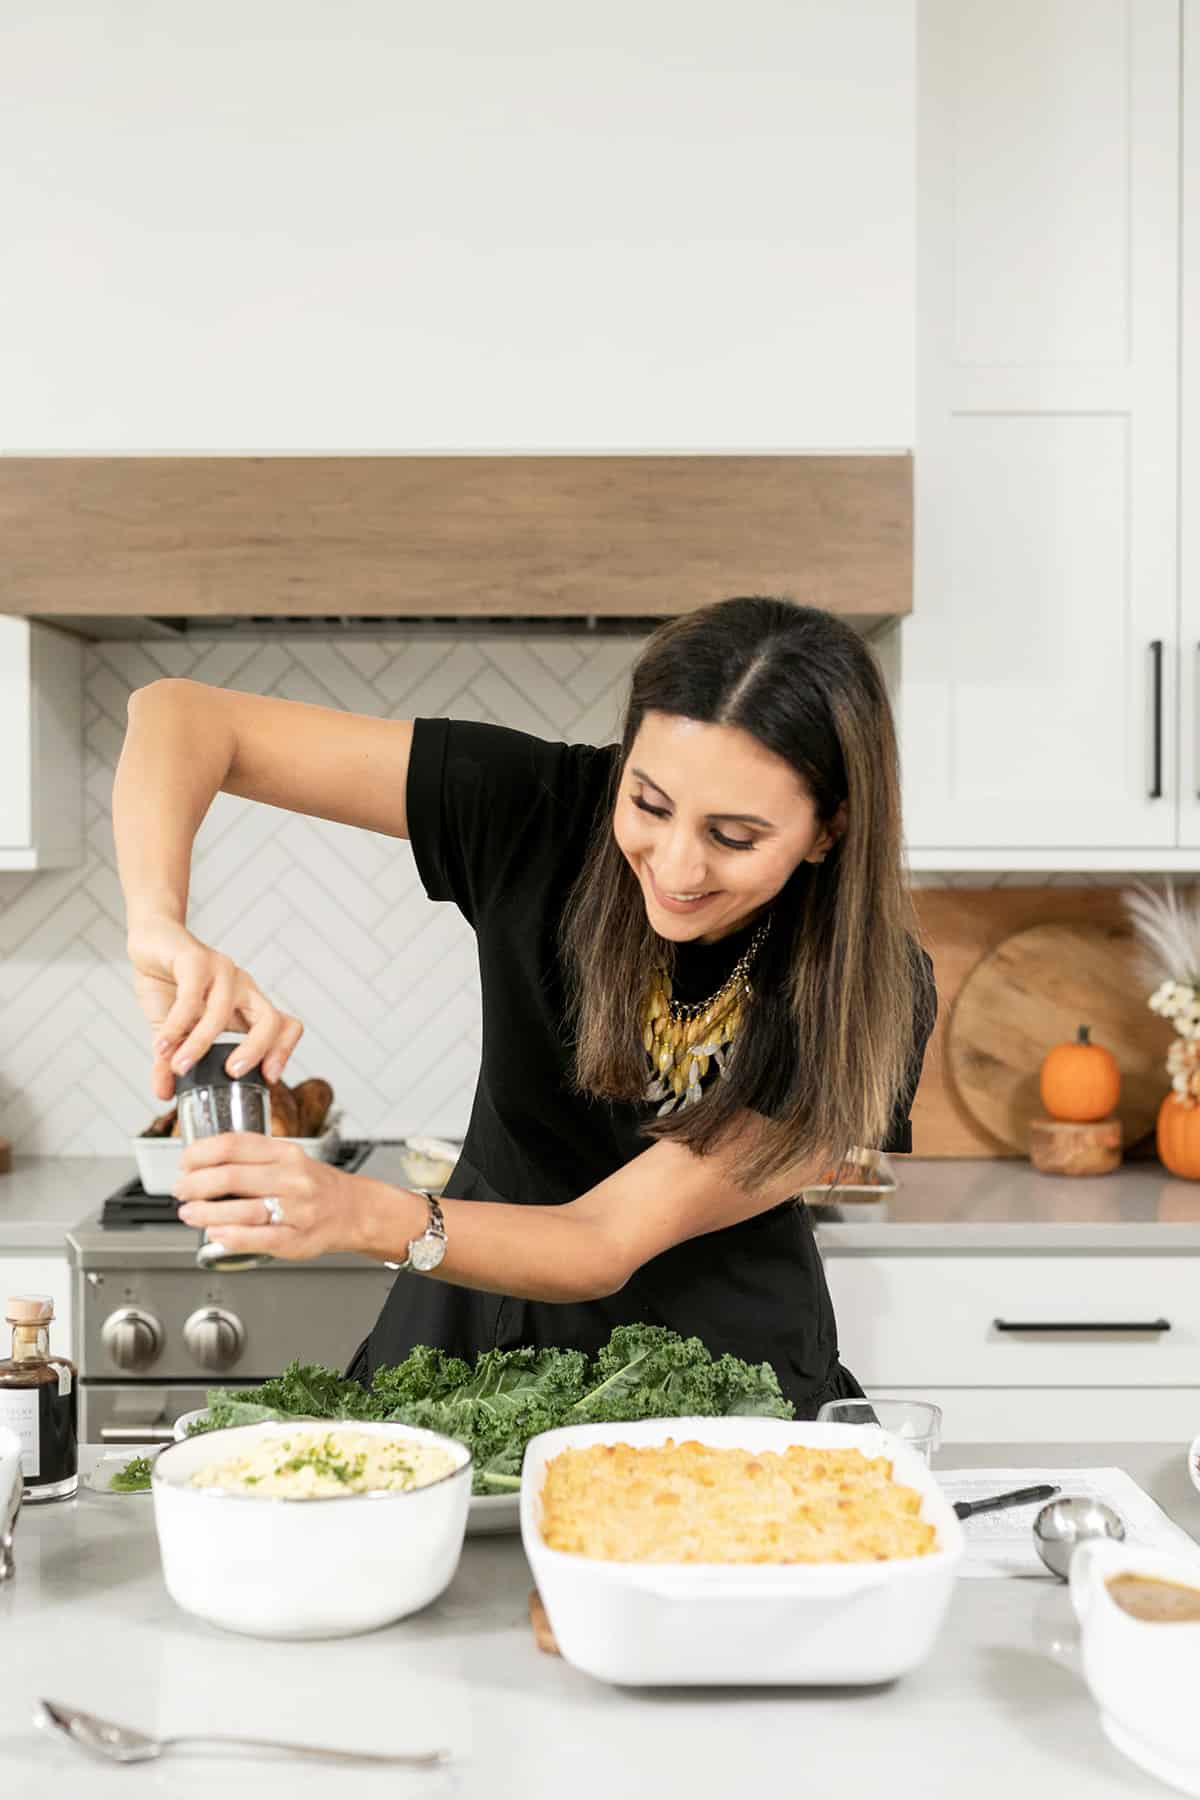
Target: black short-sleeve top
499 824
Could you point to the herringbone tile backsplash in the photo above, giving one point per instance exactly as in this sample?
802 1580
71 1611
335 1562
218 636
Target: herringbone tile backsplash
332 922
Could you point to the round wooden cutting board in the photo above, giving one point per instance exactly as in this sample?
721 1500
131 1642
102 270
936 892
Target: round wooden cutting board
1033 991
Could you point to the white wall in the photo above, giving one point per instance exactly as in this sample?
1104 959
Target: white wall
383 225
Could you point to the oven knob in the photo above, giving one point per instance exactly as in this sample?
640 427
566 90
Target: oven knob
215 1338
132 1338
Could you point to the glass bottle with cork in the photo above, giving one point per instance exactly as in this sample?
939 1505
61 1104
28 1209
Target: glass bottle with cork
39 1401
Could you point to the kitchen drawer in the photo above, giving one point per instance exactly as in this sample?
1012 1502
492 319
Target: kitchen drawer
934 1320
1053 1416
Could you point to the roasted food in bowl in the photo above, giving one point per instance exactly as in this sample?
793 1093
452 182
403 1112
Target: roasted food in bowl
310 1530
299 1115
741 1551
296 1112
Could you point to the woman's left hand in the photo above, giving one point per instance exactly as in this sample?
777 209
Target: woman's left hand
317 1208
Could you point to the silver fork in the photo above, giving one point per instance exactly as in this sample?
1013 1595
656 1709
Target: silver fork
121 1744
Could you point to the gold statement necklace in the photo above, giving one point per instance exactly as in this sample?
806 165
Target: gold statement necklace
682 1040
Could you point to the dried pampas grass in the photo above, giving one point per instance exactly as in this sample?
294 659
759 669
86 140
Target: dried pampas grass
1168 931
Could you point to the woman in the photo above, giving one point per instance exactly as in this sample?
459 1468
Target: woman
700 987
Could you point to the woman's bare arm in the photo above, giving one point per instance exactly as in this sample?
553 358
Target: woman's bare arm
186 743
580 1251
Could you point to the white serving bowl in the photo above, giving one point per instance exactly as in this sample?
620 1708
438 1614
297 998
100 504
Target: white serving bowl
1193 1463
181 1428
157 1158
289 1568
736 1623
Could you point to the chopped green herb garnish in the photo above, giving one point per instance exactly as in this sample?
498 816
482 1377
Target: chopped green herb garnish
134 1477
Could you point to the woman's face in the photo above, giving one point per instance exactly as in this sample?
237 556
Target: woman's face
712 824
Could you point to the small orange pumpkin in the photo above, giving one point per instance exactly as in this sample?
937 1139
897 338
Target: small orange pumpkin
1080 1081
1178 1137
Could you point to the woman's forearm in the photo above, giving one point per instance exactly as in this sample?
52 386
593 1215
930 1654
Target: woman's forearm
178 750
553 1253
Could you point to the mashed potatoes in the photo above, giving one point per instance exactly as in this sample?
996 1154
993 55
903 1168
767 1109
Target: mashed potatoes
320 1465
683 1503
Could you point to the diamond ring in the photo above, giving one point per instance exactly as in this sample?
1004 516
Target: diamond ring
274 1210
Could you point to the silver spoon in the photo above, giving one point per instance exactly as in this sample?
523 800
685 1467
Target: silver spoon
1065 1524
118 1743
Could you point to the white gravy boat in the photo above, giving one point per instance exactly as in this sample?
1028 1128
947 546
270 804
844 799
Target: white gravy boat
1143 1674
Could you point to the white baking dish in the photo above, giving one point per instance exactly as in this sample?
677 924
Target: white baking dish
158 1158
290 1568
734 1623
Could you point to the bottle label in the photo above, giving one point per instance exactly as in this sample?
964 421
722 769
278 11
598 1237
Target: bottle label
19 1411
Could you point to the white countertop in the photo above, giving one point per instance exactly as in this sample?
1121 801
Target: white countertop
947 1205
41 1197
998 1709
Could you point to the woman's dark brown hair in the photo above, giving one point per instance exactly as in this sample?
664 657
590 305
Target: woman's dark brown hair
841 981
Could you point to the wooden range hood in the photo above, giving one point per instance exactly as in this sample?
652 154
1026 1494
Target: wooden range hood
135 544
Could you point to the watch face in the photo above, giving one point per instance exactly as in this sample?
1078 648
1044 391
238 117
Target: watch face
427 1252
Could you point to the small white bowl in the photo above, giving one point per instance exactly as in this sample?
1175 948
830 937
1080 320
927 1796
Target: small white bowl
288 1568
99 1477
180 1427
157 1158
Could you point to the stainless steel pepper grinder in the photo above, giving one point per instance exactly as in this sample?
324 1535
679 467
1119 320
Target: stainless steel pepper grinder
212 1101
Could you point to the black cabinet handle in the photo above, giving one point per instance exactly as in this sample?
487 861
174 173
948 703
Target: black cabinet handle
1082 1325
1156 653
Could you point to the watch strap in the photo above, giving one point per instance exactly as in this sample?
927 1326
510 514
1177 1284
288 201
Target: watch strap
435 1228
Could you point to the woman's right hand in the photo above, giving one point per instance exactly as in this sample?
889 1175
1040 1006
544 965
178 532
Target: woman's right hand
190 994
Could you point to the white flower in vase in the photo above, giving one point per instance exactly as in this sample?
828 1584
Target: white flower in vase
1168 931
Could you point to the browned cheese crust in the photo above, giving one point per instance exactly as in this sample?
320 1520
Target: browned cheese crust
690 1502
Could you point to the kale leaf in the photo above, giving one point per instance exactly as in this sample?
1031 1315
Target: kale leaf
648 1372
643 1372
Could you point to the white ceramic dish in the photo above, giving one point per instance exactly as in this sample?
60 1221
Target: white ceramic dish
1193 1463
287 1568
491 1514
180 1427
733 1624
158 1158
1144 1676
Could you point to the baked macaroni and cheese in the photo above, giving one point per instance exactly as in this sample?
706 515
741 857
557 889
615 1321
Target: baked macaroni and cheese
691 1502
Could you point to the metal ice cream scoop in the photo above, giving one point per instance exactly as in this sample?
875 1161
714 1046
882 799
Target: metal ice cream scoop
1068 1522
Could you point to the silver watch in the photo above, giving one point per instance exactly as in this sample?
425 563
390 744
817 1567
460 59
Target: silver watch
425 1252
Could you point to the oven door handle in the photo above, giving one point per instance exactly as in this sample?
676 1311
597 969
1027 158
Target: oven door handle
137 1434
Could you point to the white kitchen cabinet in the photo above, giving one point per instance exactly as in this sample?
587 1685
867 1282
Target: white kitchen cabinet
37 1272
1039 674
1028 1347
41 746
1189 521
